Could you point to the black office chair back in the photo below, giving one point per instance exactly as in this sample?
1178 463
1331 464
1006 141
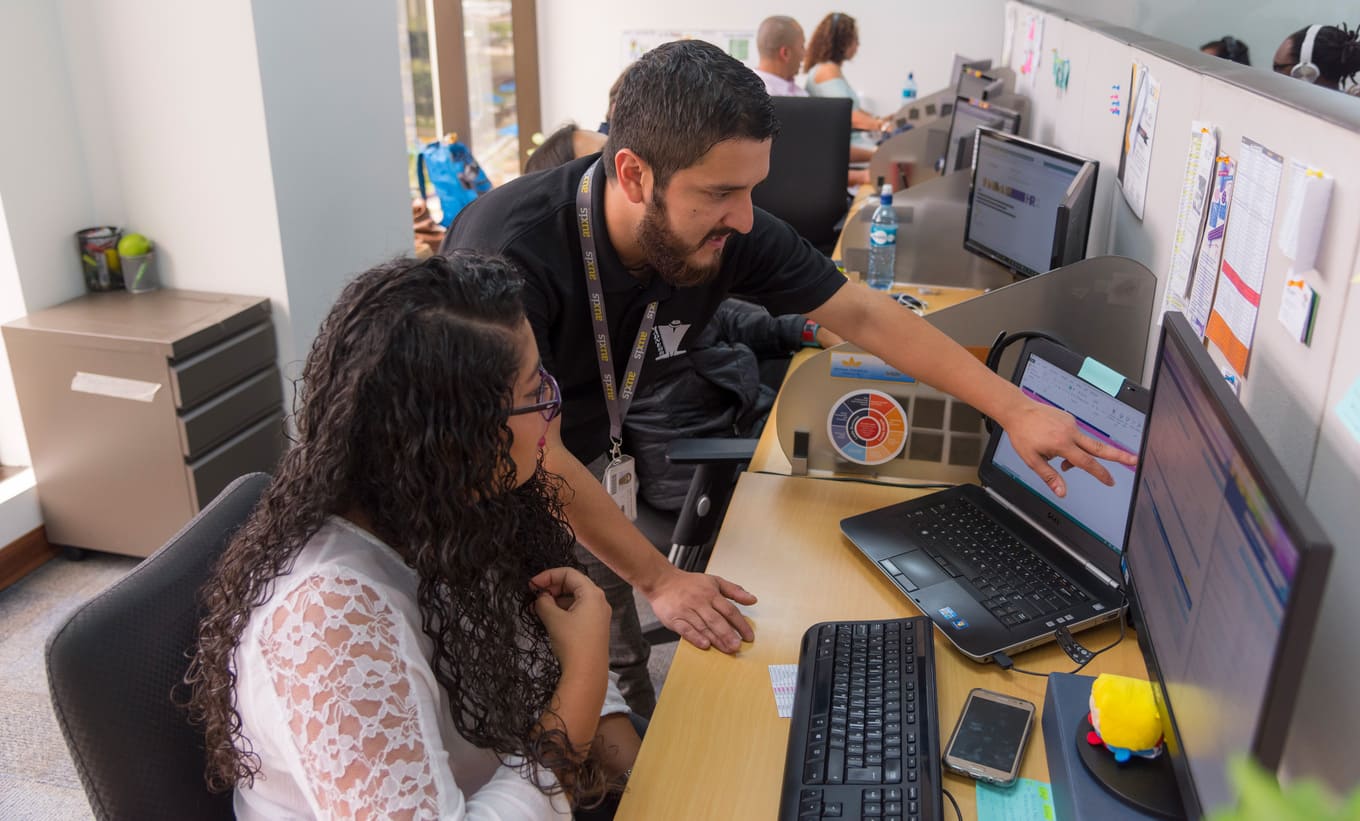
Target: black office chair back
113 665
808 167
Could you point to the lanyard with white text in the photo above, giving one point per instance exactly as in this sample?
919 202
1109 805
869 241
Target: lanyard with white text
615 400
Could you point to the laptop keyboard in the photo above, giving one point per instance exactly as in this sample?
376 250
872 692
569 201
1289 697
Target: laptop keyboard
1014 583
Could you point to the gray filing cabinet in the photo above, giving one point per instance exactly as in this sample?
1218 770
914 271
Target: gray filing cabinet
140 408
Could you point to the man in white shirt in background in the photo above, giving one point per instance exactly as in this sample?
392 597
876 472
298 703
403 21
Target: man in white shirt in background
780 44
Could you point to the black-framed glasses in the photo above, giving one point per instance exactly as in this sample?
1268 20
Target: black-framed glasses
549 398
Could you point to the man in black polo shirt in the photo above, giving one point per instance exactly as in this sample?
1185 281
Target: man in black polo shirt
664 217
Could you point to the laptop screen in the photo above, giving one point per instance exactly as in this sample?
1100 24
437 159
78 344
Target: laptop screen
1099 510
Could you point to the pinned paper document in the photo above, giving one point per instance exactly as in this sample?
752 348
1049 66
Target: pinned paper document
1298 306
1237 299
1135 158
1310 195
1197 188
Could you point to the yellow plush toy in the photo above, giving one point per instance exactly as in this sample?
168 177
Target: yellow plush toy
1125 717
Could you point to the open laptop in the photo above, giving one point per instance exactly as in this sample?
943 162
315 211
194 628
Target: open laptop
1000 567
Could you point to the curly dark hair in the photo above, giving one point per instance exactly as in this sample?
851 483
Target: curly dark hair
401 415
831 41
1336 53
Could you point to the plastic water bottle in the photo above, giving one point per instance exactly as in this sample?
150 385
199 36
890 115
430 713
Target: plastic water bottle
909 89
882 242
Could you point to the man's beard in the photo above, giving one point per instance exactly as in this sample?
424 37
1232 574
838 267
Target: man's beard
668 255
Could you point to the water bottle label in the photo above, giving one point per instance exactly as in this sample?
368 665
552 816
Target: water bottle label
880 235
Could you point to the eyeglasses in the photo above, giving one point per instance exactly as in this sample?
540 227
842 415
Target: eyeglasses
549 398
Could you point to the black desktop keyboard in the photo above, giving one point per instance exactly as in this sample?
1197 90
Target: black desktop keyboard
864 741
1013 582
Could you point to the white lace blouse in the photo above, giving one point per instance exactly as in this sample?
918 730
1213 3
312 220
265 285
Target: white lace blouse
337 697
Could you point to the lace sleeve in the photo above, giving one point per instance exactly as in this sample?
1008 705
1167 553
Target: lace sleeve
332 650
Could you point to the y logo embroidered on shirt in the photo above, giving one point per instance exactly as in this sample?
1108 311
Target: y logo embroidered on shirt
668 339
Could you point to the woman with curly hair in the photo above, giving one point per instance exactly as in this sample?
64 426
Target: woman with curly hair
399 630
834 41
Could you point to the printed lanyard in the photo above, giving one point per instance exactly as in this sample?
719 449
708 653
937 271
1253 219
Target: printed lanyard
617 401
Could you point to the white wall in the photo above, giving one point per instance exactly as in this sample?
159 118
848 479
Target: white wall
260 147
581 43
332 95
44 193
181 138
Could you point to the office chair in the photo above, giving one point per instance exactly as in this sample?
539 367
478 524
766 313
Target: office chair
687 536
112 668
809 163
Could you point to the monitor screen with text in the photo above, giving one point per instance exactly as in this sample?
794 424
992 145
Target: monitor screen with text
1013 208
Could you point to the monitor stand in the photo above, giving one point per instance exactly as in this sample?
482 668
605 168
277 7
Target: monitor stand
1147 784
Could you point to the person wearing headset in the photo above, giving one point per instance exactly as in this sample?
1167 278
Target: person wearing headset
1229 48
1328 56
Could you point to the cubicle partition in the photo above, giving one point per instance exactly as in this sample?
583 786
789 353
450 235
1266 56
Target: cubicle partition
1301 395
1096 306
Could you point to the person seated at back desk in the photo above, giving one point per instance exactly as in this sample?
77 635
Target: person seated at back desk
779 42
835 41
627 255
1330 60
564 145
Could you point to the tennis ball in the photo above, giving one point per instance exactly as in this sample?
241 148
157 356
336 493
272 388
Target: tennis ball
133 245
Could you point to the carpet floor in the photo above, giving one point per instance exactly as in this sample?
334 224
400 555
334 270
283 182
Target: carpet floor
37 779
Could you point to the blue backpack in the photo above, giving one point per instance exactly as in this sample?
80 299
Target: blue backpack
456 176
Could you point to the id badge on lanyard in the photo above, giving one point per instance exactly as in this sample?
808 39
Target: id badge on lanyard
620 476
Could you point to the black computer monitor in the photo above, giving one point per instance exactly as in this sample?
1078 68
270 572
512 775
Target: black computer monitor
1030 205
1226 568
969 115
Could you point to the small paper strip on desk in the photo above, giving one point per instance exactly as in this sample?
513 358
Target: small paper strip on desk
783 677
1025 800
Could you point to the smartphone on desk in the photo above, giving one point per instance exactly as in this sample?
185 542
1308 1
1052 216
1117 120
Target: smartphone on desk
989 741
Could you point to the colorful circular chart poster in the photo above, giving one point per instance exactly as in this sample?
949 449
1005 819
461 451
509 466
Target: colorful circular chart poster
867 427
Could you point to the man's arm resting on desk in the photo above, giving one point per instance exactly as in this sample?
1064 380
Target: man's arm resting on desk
1039 432
694 605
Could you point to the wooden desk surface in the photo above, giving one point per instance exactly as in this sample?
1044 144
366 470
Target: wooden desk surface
715 748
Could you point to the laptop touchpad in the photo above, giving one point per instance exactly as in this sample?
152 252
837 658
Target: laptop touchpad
919 567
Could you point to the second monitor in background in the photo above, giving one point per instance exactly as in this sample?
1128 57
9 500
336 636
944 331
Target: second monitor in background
1030 205
970 114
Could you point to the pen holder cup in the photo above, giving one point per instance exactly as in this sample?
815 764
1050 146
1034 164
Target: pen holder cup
139 273
99 263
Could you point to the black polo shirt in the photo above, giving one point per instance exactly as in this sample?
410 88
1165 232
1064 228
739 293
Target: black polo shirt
532 221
